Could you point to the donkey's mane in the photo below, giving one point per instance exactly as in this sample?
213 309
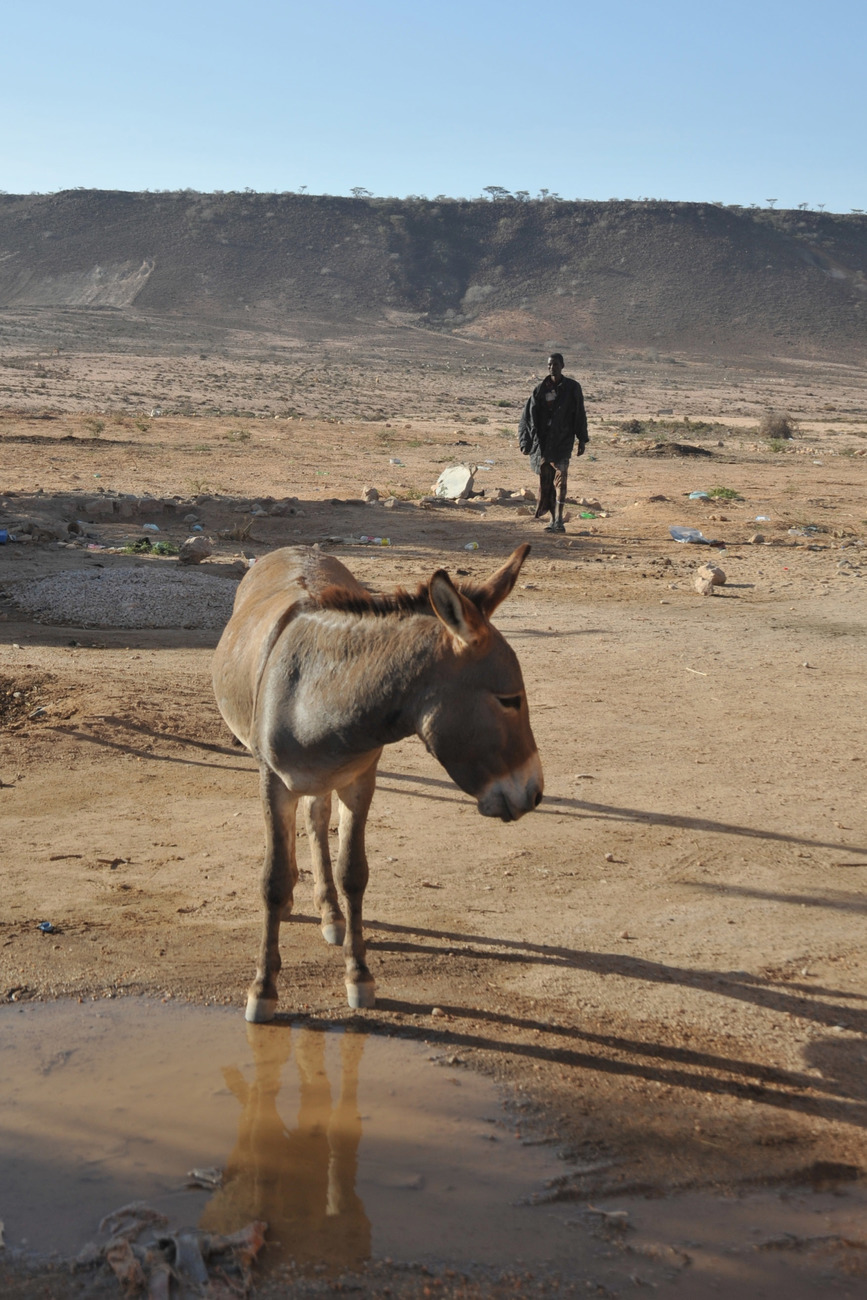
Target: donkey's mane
396 602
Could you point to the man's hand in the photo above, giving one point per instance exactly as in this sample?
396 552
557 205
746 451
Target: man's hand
581 447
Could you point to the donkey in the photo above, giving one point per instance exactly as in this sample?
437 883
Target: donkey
315 676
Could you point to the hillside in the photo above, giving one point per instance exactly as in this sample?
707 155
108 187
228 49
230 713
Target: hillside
612 275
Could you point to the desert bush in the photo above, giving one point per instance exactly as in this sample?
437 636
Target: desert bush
776 424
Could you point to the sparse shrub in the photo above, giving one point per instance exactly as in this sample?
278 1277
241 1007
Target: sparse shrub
725 494
633 428
238 435
94 427
777 444
776 424
142 425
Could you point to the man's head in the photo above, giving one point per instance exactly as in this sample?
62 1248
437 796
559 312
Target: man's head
555 365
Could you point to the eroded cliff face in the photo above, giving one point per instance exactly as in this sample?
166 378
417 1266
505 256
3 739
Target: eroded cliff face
653 274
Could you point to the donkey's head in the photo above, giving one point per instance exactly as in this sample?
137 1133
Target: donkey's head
475 719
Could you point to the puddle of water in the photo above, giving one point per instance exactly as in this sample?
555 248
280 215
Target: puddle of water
351 1147
348 1145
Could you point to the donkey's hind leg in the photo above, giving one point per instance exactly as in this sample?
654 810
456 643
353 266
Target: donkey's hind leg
317 815
352 874
279 875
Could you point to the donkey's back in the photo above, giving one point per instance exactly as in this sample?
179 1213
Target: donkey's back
266 600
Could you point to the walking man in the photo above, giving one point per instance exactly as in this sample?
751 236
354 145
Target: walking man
554 420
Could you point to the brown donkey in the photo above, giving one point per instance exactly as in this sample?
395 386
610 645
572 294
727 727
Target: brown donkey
314 675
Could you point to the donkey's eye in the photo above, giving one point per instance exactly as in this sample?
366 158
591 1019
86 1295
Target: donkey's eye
510 701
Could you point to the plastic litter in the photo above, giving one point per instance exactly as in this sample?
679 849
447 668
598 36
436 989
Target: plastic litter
197 528
471 546
763 519
374 541
691 535
587 514
699 496
151 528
395 460
148 1261
46 927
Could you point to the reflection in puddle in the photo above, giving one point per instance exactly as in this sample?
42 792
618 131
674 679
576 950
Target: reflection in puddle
300 1180
348 1145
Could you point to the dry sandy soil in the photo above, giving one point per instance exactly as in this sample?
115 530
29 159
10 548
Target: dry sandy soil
666 960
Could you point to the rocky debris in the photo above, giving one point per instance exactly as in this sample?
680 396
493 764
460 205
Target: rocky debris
707 579
524 494
670 449
757 539
455 483
194 550
715 574
41 530
370 494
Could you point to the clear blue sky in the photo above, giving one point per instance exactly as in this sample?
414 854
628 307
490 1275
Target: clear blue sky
734 101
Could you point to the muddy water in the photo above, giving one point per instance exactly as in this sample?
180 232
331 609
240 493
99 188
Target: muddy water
346 1144
354 1146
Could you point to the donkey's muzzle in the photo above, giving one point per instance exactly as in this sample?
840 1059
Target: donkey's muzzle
511 796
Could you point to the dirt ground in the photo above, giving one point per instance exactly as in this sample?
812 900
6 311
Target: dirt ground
665 961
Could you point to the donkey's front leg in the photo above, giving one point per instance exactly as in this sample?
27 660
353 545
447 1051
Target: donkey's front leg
317 815
352 877
279 876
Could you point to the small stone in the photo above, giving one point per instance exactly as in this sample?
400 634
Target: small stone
438 1012
624 934
194 550
715 574
370 494
756 539
704 586
609 857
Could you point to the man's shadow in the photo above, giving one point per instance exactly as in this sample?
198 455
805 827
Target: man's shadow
300 1181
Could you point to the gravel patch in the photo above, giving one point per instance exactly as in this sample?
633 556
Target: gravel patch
164 596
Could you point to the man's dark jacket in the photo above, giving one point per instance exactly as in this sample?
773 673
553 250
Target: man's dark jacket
549 430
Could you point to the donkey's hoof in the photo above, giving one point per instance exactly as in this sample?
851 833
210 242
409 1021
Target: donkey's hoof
334 933
260 1010
361 996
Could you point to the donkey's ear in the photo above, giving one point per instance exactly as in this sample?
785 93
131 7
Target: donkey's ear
459 615
500 584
